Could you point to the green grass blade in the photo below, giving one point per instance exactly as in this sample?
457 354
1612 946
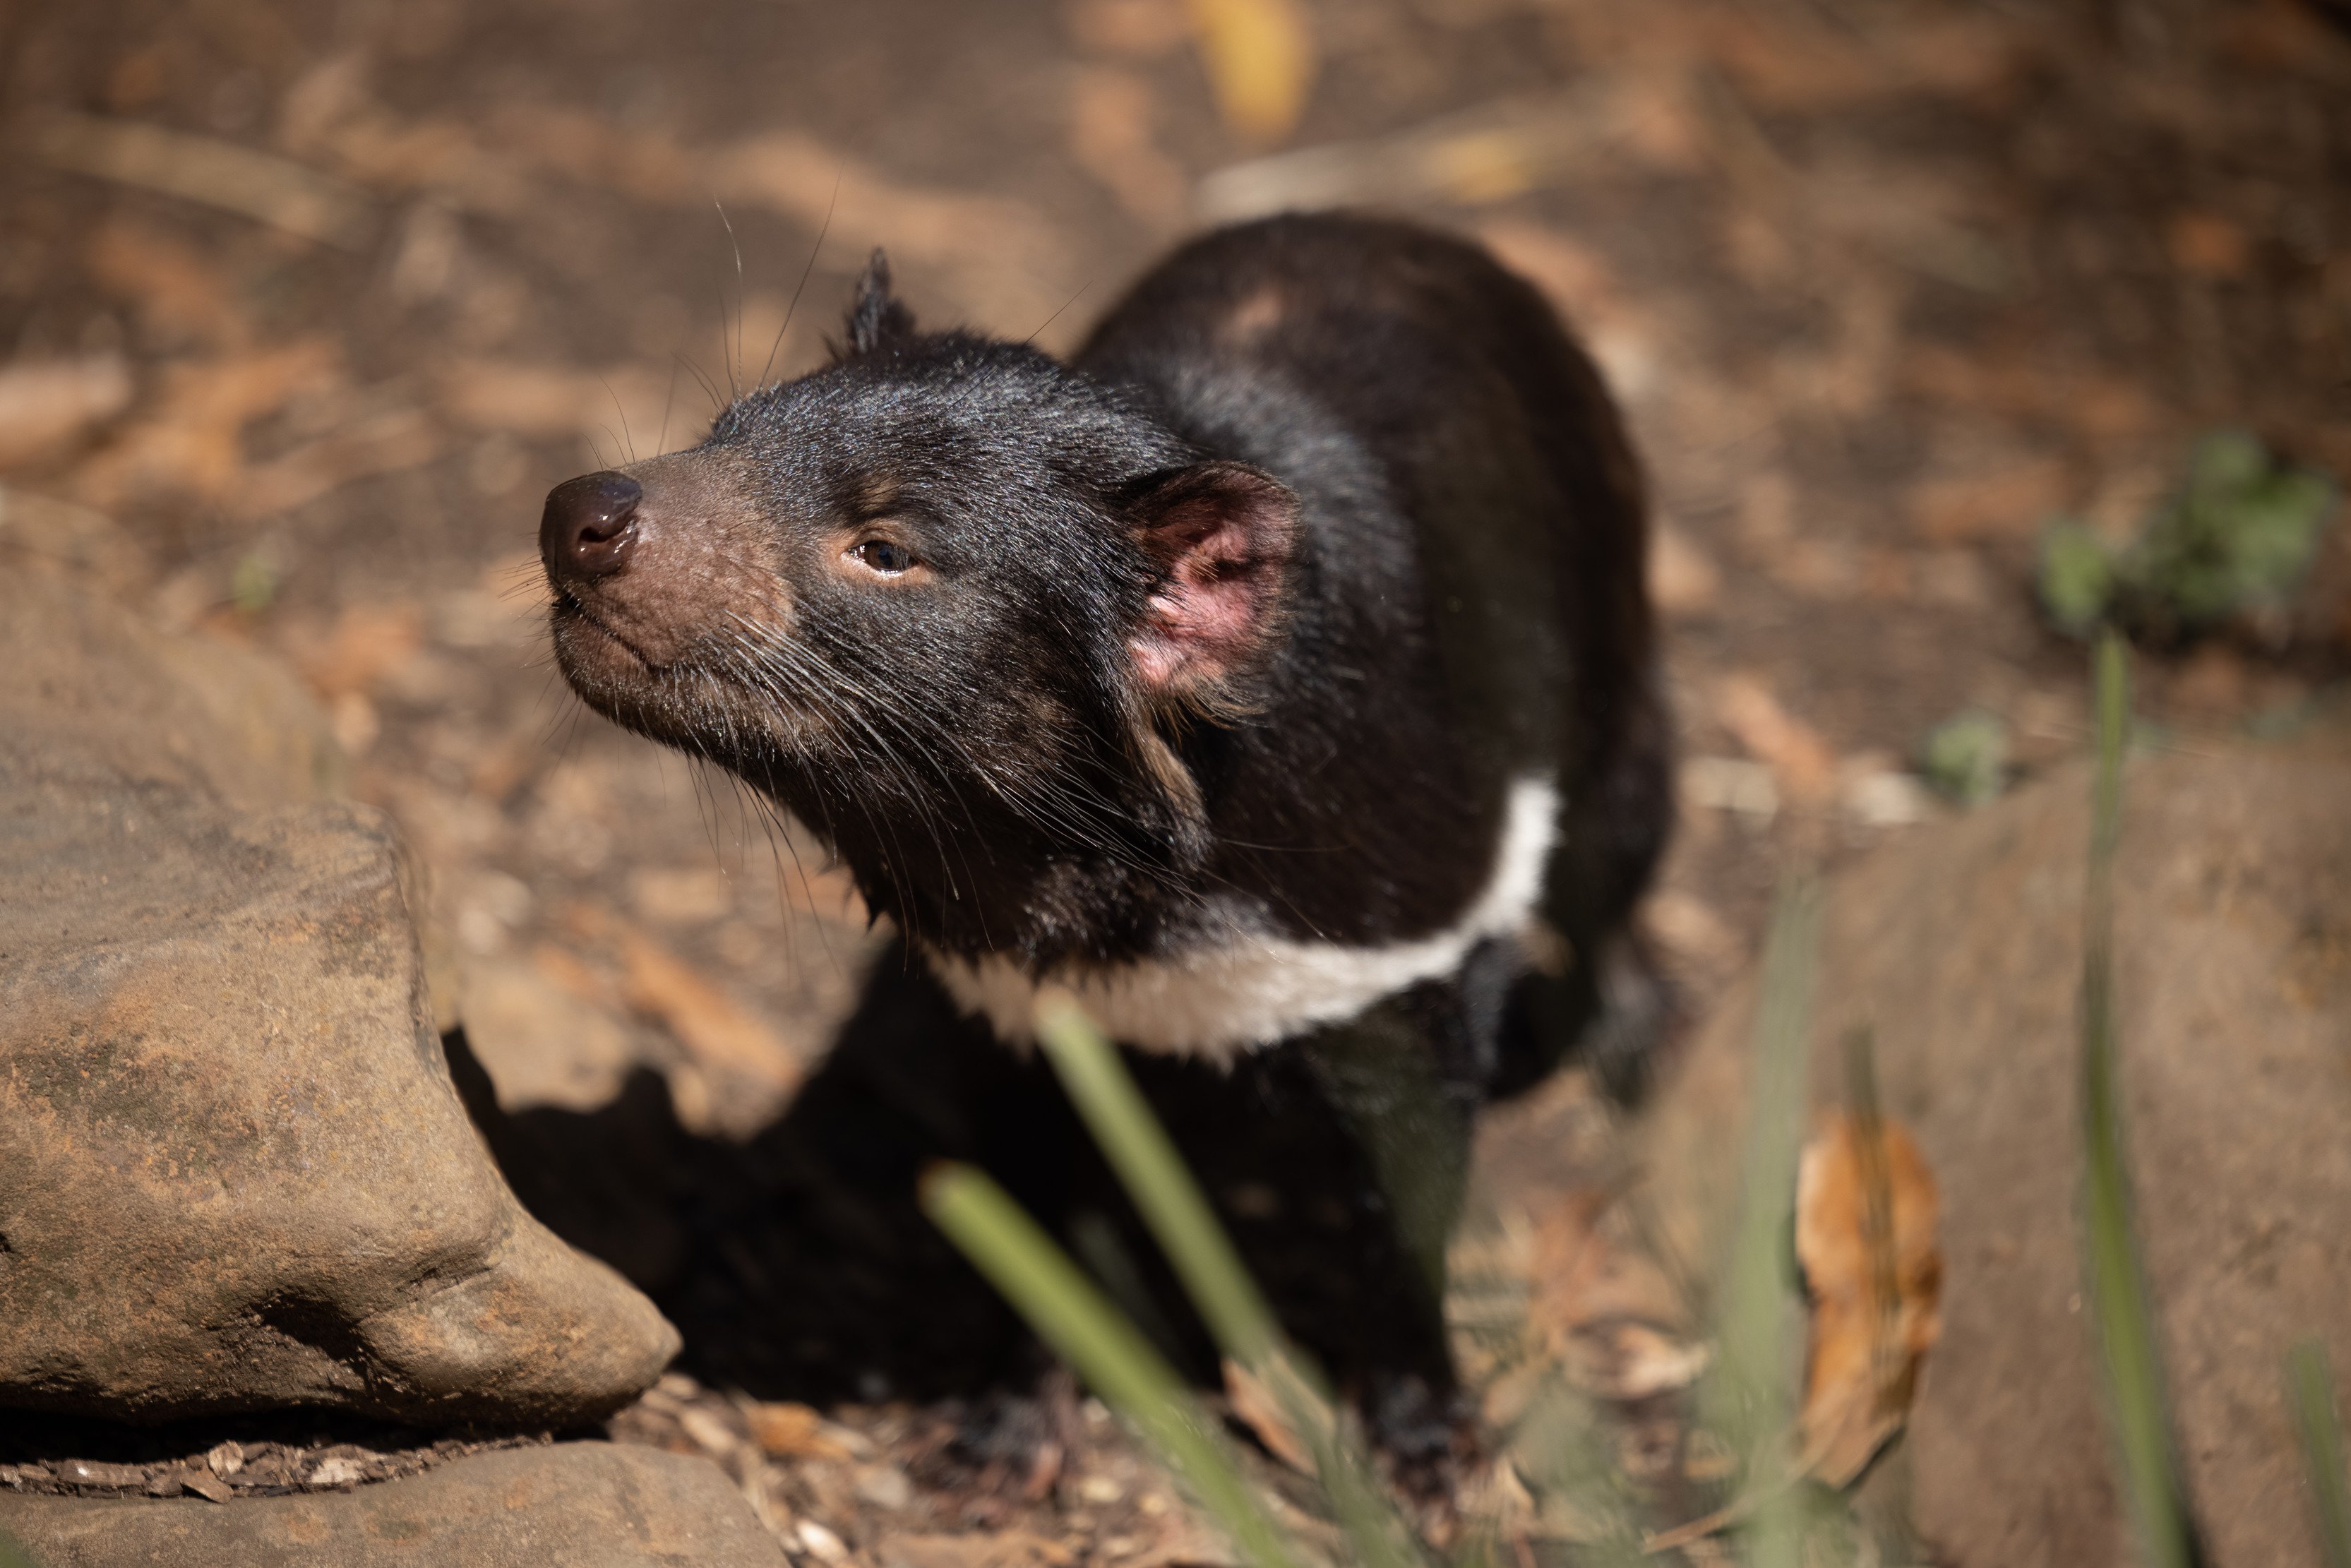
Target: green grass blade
1751 1399
1156 1178
2310 1394
2122 1317
1066 1309
1748 1396
1213 1276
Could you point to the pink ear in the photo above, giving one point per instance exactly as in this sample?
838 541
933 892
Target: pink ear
1223 535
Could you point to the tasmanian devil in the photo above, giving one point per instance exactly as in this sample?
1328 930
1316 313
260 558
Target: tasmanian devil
1278 669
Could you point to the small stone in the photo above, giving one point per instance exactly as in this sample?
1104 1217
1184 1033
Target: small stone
884 1486
212 1488
338 1472
819 1543
225 1458
94 1473
166 1483
711 1433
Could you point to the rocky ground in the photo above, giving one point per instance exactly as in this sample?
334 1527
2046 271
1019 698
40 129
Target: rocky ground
1882 287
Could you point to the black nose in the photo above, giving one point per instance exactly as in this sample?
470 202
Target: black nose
590 527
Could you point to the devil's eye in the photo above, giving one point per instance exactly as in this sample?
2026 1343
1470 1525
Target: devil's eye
884 556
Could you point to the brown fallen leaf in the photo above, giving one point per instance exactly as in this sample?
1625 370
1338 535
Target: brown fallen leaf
1255 1404
709 1431
1866 1213
1113 136
719 1032
367 642
2011 502
1141 29
277 191
548 401
1683 580
46 405
1627 1360
2207 245
2021 384
48 533
801 178
191 439
994 1549
1572 275
1582 1273
177 289
785 1430
391 441
1803 764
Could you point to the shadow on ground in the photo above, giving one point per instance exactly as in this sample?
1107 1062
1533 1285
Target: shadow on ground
798 1267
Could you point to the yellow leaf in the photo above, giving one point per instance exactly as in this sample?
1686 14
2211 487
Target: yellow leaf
1866 1211
1259 56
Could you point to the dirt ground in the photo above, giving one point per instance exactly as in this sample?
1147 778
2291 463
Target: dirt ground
1883 287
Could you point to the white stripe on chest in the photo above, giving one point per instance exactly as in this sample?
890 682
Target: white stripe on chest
1251 990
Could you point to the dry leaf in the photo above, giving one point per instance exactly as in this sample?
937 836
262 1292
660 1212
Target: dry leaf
1865 1210
803 179
720 1033
1139 30
544 402
2010 503
1112 136
709 1431
1803 764
996 1549
1254 1403
278 191
2023 386
1259 55
785 1430
1682 577
2205 245
176 288
1627 1360
385 444
192 439
42 531
1572 275
368 641
1596 1306
46 405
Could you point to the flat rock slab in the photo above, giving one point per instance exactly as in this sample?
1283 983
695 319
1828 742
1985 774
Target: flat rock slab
234 1172
1961 949
581 1505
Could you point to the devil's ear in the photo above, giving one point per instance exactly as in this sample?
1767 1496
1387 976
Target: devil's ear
876 319
1222 536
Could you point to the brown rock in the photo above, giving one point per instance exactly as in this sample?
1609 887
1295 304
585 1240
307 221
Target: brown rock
187 713
1960 948
596 1505
234 1173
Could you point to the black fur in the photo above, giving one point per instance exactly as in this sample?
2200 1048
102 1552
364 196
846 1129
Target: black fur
1430 569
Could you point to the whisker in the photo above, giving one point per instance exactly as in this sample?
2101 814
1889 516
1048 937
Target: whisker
1056 316
728 350
818 249
629 441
